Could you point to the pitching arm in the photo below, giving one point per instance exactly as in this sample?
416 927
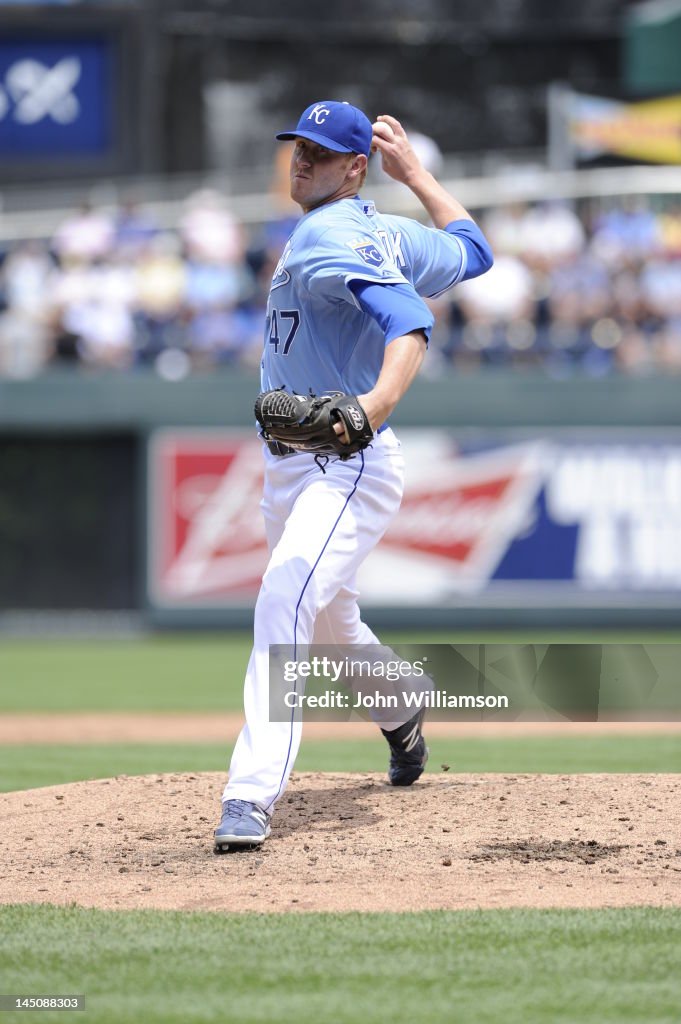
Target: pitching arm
401 163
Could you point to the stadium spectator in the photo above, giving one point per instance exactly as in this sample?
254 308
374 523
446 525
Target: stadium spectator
133 228
87 235
209 231
160 289
25 275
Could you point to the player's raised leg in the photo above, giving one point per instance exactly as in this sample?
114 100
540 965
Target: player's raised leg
339 627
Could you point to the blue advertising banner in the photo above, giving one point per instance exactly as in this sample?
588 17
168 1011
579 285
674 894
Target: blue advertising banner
584 517
56 97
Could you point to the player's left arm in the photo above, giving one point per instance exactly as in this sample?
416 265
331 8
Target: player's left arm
406 323
401 363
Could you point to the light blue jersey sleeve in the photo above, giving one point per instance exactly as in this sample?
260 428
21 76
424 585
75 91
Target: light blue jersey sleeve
342 256
435 259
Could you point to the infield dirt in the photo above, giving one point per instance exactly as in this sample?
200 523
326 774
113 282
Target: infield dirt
349 842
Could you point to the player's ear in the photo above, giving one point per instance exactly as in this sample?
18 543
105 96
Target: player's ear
359 165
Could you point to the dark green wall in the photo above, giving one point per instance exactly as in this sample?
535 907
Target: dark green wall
66 401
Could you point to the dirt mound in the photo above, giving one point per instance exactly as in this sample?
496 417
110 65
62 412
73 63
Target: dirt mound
349 842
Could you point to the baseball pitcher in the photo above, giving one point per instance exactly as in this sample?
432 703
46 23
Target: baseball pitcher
346 332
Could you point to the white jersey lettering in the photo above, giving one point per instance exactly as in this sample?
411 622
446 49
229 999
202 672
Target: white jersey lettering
392 242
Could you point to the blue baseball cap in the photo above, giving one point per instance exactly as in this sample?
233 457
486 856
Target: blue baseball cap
337 126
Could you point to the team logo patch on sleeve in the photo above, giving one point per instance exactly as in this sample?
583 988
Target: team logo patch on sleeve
368 251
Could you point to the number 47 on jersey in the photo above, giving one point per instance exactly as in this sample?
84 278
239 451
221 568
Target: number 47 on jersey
277 323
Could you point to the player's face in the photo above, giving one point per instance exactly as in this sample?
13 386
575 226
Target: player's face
319 175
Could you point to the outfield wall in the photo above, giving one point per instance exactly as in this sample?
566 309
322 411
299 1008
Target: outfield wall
528 501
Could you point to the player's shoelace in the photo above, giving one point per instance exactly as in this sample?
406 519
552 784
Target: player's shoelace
238 808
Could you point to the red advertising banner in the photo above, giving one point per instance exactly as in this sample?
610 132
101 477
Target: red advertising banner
206 541
489 521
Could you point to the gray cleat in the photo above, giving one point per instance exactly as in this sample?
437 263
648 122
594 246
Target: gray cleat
243 824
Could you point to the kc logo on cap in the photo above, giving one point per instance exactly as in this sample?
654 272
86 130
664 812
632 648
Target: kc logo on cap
319 114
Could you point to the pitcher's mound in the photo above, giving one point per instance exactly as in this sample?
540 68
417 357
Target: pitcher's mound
350 842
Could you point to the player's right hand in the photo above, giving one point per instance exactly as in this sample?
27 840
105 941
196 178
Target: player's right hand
339 429
398 158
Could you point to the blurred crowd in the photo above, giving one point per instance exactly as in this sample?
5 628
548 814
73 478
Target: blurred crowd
596 290
116 291
593 289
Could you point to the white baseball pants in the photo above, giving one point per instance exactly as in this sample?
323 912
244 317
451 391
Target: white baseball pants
320 527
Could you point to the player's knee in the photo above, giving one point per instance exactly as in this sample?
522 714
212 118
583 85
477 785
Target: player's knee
295 576
268 602
288 589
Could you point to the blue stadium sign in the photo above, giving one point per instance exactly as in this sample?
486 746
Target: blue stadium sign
56 98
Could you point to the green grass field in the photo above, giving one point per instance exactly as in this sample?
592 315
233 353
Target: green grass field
519 967
183 672
31 766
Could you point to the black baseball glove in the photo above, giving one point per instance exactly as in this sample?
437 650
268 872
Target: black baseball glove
306 424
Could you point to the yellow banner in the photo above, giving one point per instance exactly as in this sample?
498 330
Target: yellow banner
650 130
